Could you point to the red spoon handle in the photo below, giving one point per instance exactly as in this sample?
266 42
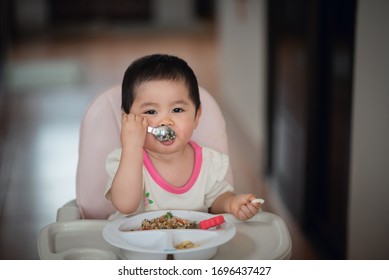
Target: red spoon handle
212 222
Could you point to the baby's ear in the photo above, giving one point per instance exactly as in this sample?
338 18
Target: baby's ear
198 115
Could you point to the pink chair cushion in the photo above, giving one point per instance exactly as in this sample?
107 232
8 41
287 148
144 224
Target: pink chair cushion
100 135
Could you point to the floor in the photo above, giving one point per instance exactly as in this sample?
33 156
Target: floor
51 79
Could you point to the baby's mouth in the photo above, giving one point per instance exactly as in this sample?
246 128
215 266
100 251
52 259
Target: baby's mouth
168 142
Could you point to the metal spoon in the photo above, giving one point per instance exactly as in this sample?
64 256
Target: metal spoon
162 133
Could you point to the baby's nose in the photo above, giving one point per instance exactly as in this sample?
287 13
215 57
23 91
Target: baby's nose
167 121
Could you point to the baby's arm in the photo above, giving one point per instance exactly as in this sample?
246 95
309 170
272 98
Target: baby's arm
126 189
238 205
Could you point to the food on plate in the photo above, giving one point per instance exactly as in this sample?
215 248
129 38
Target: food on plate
167 221
186 245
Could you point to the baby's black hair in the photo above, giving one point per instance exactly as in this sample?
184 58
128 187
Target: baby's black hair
158 67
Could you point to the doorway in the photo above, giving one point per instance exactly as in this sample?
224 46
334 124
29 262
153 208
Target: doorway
310 62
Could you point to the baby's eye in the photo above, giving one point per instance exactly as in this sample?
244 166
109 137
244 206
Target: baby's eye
150 112
178 110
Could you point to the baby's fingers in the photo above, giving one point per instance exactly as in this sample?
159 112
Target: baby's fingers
247 211
128 118
124 117
134 119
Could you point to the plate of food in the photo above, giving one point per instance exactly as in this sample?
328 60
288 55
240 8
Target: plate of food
157 234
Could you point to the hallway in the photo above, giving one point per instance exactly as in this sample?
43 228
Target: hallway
52 79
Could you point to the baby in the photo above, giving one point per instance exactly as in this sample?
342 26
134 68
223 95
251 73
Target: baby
162 90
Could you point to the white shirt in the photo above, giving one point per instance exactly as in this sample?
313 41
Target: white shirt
206 183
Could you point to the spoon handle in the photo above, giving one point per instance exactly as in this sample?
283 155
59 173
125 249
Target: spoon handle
151 130
258 200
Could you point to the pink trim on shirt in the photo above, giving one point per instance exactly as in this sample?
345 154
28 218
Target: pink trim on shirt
165 185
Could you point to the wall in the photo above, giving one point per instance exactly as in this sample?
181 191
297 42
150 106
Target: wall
369 177
242 31
181 16
31 15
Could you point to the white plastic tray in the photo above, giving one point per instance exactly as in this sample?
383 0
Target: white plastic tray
265 236
79 239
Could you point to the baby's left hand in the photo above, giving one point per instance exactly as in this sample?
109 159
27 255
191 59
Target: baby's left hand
242 208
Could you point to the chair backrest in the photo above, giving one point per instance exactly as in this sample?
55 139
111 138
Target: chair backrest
100 135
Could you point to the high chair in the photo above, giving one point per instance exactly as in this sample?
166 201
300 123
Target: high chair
76 234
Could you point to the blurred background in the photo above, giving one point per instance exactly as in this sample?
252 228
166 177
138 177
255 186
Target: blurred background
303 85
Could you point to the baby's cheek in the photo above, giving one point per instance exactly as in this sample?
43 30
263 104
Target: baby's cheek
185 133
149 139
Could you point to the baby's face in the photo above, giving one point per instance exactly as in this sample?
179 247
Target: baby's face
166 103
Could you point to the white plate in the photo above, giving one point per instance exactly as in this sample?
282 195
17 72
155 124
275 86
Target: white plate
157 244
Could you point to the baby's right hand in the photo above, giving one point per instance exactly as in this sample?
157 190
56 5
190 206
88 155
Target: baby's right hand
134 130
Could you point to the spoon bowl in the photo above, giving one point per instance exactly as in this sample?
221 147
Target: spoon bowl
162 133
